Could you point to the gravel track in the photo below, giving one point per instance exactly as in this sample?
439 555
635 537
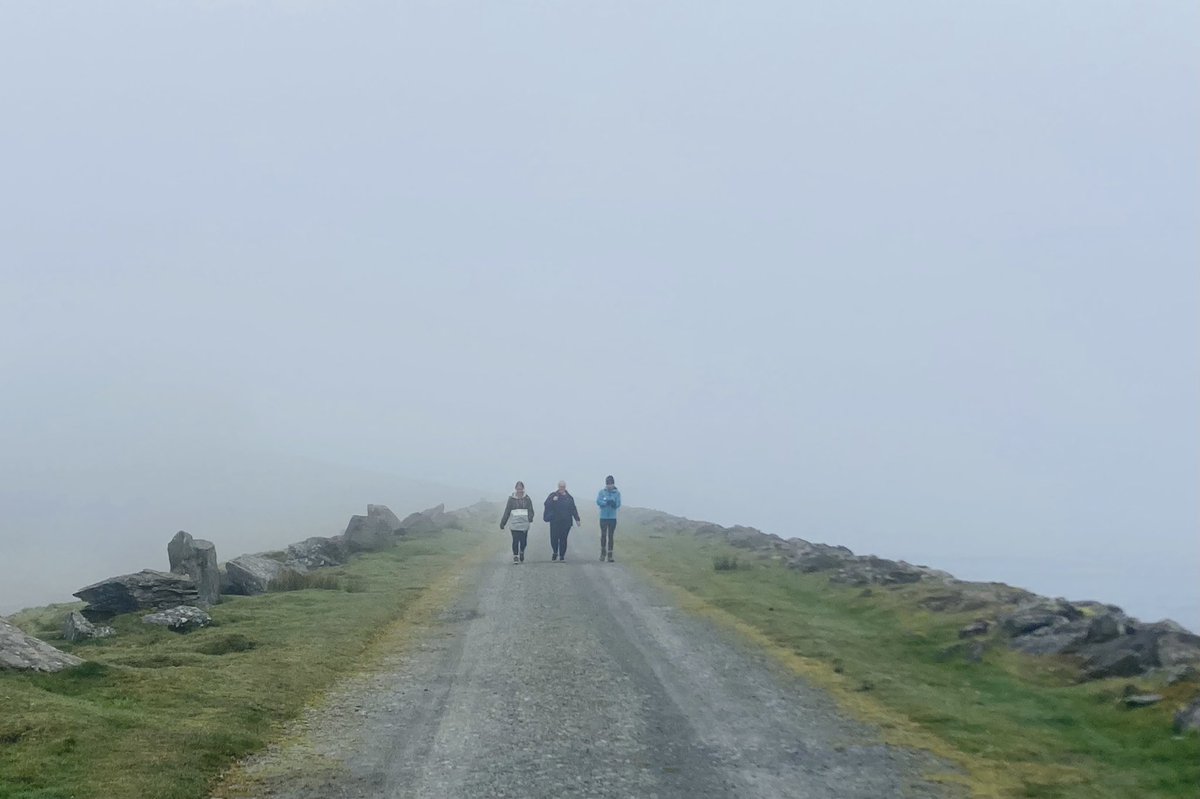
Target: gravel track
579 680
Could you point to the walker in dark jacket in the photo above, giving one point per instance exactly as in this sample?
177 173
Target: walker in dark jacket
560 511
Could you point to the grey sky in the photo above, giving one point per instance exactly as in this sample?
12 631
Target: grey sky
918 278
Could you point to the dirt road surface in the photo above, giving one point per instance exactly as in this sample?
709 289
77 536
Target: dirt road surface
579 679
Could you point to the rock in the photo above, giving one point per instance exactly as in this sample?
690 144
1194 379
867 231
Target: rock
427 521
1055 639
1105 627
1142 700
385 513
868 570
1126 656
317 553
77 628
251 574
1039 613
1185 673
1176 646
977 627
368 534
196 558
145 590
181 619
22 652
1188 718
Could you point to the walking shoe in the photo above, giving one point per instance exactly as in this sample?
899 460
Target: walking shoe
610 560
522 556
602 554
554 557
516 559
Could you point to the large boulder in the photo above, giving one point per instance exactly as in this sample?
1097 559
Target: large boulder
77 628
1142 648
870 570
251 574
316 553
22 652
144 590
182 619
1053 639
429 520
1041 612
368 534
385 513
196 558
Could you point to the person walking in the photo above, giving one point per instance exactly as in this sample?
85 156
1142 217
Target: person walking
609 500
560 511
518 515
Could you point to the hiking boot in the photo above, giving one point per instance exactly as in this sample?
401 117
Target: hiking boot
522 556
610 560
602 554
516 559
554 557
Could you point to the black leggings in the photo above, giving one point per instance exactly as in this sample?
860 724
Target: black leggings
558 538
520 537
607 528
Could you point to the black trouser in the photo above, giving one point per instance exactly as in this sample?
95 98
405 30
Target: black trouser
520 537
558 537
607 528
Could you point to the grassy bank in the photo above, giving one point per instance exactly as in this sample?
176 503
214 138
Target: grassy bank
1017 726
158 714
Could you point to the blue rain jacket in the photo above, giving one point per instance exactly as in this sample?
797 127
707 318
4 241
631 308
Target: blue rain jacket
609 499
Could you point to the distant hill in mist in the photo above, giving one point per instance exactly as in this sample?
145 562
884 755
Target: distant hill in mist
58 536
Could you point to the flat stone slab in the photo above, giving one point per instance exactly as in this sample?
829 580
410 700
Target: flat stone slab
22 652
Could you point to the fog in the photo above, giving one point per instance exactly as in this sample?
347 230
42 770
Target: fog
918 278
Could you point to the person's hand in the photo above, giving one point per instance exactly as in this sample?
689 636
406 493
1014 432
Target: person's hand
577 524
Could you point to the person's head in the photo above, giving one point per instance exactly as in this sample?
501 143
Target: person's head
562 486
519 488
609 481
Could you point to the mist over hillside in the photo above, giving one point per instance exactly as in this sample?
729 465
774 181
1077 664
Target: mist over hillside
54 542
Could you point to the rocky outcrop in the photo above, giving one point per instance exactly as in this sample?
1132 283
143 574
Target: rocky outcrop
196 558
182 619
77 628
251 574
384 513
317 553
368 534
22 652
429 520
144 590
1102 639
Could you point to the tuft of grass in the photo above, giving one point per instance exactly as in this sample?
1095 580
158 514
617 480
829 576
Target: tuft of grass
302 581
156 714
1018 726
725 563
227 644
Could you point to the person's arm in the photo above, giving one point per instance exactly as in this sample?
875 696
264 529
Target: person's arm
575 511
618 500
600 499
507 510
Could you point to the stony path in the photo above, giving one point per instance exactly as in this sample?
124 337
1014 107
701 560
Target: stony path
579 680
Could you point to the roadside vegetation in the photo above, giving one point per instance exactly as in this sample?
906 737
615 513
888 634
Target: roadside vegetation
1016 726
153 713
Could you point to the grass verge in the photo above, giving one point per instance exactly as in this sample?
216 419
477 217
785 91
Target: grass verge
1018 726
153 713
